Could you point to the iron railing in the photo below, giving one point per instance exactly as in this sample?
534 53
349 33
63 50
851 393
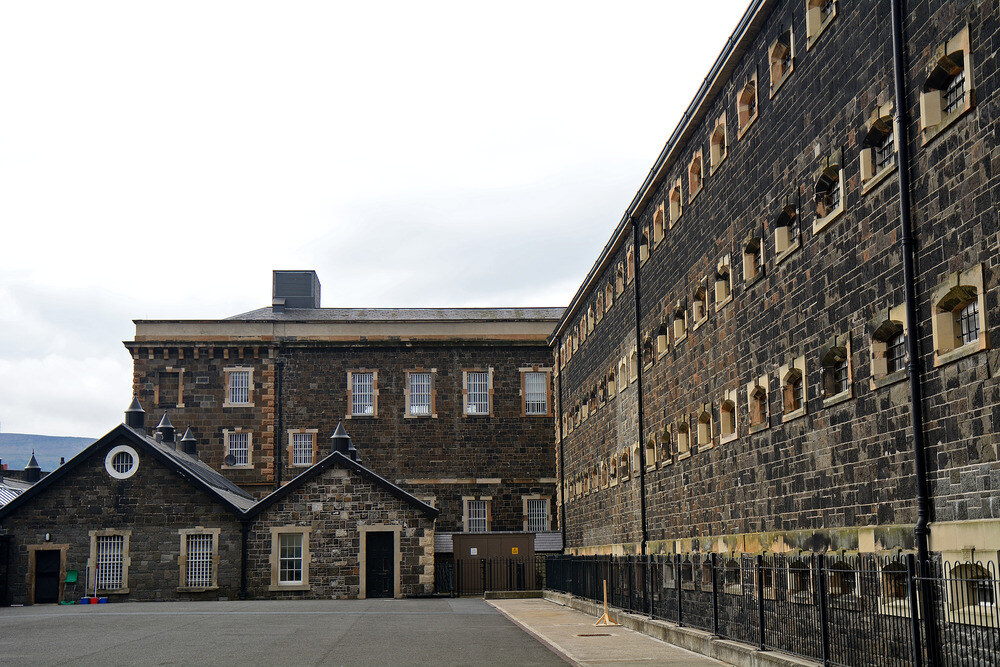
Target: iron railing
475 576
836 609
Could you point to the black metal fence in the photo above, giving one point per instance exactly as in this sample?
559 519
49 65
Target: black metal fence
475 576
840 610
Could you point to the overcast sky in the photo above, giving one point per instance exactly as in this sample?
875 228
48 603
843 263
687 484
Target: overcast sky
158 160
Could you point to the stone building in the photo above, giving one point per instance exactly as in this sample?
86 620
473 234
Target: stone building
140 517
453 405
735 373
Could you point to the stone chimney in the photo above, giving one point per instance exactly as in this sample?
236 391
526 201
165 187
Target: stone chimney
166 430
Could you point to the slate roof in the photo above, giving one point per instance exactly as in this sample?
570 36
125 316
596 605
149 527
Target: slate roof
268 314
545 542
10 489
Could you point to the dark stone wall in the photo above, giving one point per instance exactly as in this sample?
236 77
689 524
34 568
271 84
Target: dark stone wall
840 466
154 504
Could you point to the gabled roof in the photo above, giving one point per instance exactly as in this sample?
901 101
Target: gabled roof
196 472
338 459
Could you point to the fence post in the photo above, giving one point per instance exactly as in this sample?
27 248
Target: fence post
760 599
649 584
715 597
677 582
824 630
911 594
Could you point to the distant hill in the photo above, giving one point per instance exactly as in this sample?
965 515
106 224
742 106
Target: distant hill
16 448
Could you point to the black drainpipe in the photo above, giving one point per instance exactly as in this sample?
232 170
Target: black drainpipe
279 458
920 531
245 540
562 460
638 383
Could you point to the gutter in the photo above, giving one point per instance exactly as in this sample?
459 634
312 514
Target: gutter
638 387
908 246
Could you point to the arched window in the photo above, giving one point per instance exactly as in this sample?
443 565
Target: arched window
706 428
699 305
819 13
659 226
842 578
971 585
683 438
836 370
878 155
727 418
829 194
786 229
666 455
723 283
694 175
888 349
781 60
623 467
746 105
629 264
733 577
680 322
599 307
651 451
792 391
758 405
947 91
648 354
643 248
753 260
956 318
676 207
718 143
619 279
609 296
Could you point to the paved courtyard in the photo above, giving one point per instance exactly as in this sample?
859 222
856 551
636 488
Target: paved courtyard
350 632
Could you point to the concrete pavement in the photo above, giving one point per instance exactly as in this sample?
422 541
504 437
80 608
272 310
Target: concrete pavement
573 634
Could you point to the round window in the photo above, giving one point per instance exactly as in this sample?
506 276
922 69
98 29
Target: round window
121 462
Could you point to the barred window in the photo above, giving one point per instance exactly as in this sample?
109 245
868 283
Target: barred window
302 449
122 462
884 151
954 93
968 319
110 561
477 511
536 393
362 394
478 393
420 393
538 509
199 560
895 355
238 445
290 558
239 387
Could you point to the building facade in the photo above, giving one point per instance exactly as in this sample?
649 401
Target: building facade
735 373
453 405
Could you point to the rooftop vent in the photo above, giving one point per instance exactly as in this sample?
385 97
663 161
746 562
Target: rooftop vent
295 289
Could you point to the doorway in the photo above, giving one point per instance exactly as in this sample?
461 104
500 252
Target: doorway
380 564
47 566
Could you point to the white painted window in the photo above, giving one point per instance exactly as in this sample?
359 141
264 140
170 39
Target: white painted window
290 558
200 551
110 561
302 449
538 509
362 394
479 393
239 386
420 393
238 446
536 393
478 511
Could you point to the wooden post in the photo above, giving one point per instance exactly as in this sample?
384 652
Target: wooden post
605 619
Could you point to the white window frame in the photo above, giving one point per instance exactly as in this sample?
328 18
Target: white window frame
226 439
535 521
529 396
186 563
471 505
301 584
467 404
238 371
352 412
408 391
109 462
117 558
299 437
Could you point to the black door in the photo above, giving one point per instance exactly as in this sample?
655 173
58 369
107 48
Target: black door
379 564
47 576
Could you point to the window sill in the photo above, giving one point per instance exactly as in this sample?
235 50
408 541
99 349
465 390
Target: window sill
678 341
430 416
692 195
786 253
715 167
728 438
289 587
685 455
984 615
650 467
760 427
741 131
821 223
697 325
361 417
890 379
929 134
756 279
776 86
707 446
895 608
837 399
237 405
112 591
667 462
875 180
792 416
662 353
812 39
674 221
196 589
248 466
725 302
943 358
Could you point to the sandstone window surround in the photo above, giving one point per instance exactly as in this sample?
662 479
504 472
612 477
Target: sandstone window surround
609 296
477 515
792 377
972 591
651 449
636 459
290 558
633 364
591 319
362 393
624 469
419 393
629 265
599 308
659 224
723 283
753 259
613 469
878 152
477 392
662 340
757 404
676 204
619 278
537 516
835 356
888 347
648 351
819 15
718 142
239 387
787 230
169 389
643 247
948 92
238 444
302 447
959 308
706 427
622 374
109 561
680 322
666 442
696 175
198 562
830 194
611 386
781 60
699 305
746 106
682 432
728 424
